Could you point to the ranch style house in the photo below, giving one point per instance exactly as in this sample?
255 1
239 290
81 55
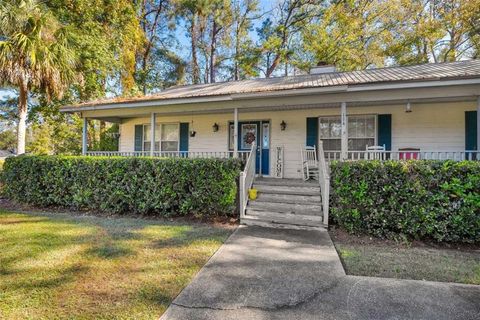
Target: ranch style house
287 129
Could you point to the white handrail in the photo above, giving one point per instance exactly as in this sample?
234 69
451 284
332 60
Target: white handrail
246 179
324 180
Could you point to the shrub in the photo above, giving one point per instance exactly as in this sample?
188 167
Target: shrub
121 185
437 200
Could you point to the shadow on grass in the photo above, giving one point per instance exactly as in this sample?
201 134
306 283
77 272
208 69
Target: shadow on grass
65 276
109 251
189 236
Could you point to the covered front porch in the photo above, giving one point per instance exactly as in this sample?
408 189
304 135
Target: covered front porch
397 130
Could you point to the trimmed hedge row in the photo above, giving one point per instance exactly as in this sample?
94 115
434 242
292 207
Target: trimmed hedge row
437 200
124 185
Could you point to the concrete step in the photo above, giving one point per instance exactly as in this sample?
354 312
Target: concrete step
281 218
306 191
266 224
288 198
293 208
285 182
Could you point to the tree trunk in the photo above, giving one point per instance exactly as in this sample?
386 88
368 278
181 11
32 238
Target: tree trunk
273 66
22 119
213 48
193 33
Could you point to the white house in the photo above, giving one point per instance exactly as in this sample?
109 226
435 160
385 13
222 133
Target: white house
428 111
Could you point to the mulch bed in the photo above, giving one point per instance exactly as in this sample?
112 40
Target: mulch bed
340 235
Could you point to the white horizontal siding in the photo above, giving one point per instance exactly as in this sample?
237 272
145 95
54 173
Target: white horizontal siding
429 127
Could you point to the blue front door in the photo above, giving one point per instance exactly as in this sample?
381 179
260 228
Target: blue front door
258 131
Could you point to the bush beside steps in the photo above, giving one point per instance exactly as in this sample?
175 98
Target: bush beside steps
417 199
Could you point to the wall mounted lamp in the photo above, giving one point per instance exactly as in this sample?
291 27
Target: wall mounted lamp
408 108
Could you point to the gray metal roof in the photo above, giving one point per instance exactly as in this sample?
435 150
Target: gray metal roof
422 72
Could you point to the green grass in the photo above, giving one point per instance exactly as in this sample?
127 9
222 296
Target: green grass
390 260
58 266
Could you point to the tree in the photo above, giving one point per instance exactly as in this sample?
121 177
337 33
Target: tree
193 12
158 66
291 16
34 54
7 140
245 56
350 34
434 31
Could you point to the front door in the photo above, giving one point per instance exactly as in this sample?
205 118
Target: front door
258 131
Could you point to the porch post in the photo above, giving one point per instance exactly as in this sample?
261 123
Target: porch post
84 136
235 133
478 123
344 133
152 134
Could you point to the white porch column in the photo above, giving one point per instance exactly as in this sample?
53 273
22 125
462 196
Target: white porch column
478 123
344 133
152 134
84 136
235 133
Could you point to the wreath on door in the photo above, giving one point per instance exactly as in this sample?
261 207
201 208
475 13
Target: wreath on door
249 138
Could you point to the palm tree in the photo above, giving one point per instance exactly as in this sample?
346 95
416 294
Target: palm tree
34 55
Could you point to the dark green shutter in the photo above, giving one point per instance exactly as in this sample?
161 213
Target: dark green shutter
138 137
184 136
312 132
471 142
385 131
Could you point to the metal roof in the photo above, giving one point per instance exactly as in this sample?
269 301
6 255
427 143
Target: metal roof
422 72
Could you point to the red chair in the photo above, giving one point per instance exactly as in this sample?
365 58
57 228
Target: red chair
409 153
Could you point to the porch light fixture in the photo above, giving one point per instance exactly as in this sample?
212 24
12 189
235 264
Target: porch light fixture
215 127
283 125
193 133
408 108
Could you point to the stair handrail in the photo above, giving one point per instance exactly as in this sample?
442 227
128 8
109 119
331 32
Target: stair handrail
246 179
324 180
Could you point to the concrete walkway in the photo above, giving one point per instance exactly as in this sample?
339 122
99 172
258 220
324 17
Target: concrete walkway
262 273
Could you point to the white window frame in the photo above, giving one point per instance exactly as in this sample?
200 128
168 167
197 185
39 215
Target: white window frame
158 138
375 116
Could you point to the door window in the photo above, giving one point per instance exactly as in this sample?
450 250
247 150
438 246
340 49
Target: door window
265 135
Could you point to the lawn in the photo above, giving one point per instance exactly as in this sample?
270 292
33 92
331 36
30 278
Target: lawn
77 267
365 256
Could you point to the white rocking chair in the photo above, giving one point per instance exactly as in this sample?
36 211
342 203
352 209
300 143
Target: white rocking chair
309 163
375 152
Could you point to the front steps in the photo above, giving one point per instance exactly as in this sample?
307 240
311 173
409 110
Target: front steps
285 202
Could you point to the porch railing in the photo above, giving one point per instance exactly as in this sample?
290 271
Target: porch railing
471 155
171 154
324 180
246 179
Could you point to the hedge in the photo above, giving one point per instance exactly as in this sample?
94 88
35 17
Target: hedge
416 199
124 185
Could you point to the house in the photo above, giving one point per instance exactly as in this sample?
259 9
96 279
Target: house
428 111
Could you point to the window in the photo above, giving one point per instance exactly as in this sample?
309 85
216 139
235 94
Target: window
361 132
166 137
